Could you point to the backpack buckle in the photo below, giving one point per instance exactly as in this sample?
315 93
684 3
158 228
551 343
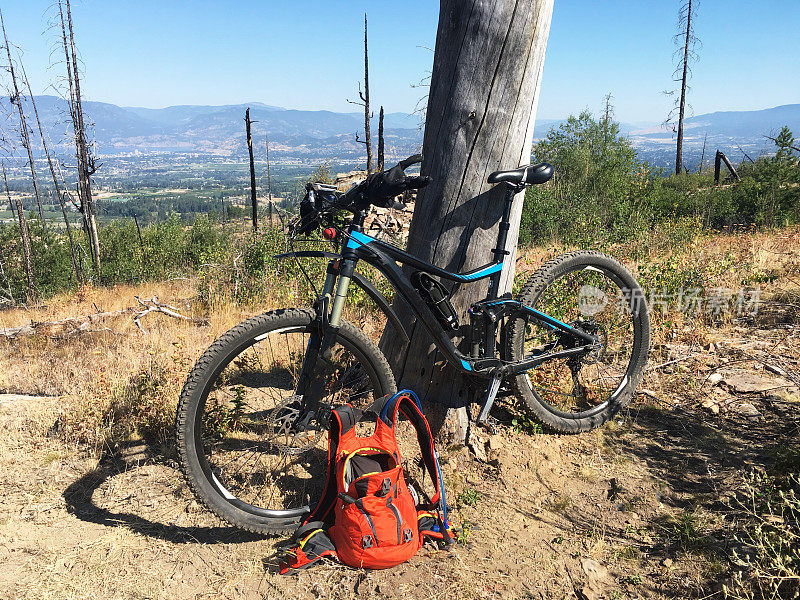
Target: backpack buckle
386 486
366 541
407 536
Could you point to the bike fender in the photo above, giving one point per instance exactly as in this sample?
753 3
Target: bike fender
364 283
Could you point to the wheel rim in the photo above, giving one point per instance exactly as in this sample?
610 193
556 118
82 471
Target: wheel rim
598 301
245 454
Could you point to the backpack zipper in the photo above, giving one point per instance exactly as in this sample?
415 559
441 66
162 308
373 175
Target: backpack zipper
360 505
396 514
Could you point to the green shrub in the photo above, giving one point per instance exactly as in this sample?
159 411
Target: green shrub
602 192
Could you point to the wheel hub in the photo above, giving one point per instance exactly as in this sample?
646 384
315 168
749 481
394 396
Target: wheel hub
284 428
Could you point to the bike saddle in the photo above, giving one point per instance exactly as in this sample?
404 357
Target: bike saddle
530 175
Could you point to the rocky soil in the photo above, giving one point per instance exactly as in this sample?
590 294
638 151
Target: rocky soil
638 509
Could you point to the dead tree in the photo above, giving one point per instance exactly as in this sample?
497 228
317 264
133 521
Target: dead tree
25 237
13 209
26 142
484 89
253 198
269 180
86 163
686 41
721 158
608 108
75 263
6 294
380 140
364 95
703 154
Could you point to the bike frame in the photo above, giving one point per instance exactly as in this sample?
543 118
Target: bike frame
486 315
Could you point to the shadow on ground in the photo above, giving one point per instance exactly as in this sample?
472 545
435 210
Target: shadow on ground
79 499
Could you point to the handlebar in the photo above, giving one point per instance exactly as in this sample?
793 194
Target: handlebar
379 189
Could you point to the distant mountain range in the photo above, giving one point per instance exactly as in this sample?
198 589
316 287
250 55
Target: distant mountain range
733 132
308 136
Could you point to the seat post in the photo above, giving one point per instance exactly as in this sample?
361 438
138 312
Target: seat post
505 221
500 251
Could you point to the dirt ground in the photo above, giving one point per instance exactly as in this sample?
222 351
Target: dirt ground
638 509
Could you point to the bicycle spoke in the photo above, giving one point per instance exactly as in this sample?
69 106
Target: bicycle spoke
248 435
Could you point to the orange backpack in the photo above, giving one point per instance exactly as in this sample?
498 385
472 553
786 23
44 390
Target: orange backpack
370 515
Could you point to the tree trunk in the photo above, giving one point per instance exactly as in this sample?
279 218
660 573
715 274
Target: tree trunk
484 89
703 154
141 245
81 146
365 98
75 264
25 236
380 141
682 109
26 141
269 180
253 198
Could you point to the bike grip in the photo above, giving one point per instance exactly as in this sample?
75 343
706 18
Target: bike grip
417 182
411 160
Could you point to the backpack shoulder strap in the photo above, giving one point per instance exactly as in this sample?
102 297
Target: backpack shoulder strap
407 403
343 421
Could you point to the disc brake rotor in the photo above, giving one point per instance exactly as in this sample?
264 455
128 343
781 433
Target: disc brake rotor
282 432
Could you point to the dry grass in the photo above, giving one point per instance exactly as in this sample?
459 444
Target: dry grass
544 504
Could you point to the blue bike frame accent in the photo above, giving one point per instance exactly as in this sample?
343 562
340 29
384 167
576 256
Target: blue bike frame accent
385 257
358 239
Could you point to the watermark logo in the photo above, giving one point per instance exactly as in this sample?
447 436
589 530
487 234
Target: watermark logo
693 302
591 300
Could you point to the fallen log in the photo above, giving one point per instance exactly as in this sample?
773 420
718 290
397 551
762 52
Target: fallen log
91 323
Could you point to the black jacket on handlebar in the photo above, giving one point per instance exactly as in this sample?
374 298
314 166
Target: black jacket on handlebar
382 188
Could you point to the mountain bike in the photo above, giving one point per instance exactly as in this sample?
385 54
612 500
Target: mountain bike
254 411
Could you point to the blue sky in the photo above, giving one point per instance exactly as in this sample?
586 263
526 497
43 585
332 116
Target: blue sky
308 53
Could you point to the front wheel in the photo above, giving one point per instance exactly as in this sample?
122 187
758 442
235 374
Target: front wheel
593 292
239 449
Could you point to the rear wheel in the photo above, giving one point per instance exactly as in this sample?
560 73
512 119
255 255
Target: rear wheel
593 292
239 451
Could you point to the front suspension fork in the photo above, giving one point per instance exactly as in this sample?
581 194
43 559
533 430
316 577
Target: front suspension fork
311 383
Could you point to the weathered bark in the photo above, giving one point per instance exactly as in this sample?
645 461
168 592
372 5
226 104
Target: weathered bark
75 263
253 198
380 141
84 160
25 237
26 141
484 89
682 109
